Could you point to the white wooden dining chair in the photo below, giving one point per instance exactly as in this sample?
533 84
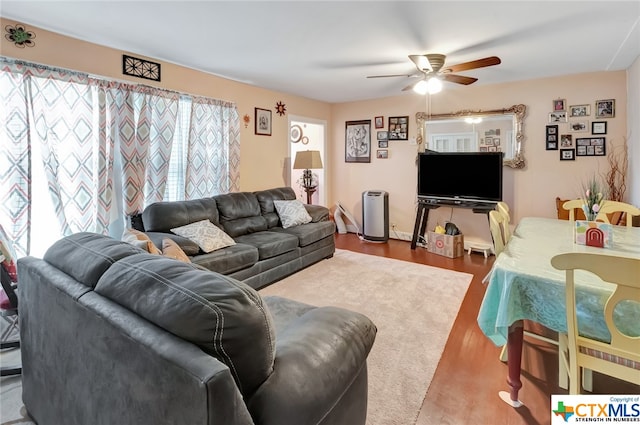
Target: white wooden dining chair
503 208
620 357
497 224
609 207
572 205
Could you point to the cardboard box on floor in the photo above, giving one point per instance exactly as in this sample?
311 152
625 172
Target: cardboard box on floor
446 245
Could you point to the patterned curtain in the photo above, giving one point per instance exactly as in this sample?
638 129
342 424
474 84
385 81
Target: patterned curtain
97 138
142 124
77 161
213 150
15 157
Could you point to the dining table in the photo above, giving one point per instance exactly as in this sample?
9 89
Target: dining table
523 285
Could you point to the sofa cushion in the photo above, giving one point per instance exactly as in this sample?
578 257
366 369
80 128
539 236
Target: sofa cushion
291 213
172 250
162 216
187 245
228 260
206 234
240 213
141 240
266 198
270 244
310 232
223 316
86 256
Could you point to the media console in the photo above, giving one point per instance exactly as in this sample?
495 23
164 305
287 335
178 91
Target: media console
426 204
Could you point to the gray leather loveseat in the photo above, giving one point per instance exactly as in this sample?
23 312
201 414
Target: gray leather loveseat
113 335
264 251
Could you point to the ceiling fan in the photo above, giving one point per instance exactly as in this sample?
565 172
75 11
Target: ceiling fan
432 69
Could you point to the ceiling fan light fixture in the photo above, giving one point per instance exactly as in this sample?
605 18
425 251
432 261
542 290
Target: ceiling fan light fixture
434 85
421 87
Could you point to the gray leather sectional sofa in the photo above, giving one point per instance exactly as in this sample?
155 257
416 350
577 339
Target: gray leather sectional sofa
113 335
264 251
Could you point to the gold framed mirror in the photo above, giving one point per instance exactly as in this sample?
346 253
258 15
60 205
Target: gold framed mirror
469 131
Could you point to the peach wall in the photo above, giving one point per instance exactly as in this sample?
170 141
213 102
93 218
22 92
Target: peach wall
263 157
530 191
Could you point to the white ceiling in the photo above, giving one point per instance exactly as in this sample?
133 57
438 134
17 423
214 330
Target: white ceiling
324 49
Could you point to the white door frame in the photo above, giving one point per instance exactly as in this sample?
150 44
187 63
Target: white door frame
321 146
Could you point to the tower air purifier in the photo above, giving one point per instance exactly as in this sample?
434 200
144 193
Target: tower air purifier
375 215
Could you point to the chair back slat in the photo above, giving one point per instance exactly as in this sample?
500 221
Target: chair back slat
624 273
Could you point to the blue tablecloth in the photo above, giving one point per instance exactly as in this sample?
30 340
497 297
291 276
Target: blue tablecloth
524 284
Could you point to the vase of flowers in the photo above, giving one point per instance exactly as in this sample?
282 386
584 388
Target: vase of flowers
590 232
593 198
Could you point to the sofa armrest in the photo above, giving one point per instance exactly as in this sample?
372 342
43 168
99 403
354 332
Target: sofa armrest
317 212
318 358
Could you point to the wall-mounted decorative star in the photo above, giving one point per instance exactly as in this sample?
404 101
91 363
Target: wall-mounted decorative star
280 108
20 36
247 120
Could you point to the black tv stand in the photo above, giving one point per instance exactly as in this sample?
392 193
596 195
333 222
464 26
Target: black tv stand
426 204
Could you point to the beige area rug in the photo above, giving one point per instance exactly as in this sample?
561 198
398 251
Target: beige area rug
413 306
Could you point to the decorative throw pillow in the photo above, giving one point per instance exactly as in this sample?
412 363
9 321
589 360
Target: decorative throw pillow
206 234
141 240
292 213
172 250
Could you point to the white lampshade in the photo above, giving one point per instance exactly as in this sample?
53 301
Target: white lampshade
431 85
306 160
421 87
434 85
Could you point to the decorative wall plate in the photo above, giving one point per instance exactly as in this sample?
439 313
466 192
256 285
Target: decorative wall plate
296 133
305 140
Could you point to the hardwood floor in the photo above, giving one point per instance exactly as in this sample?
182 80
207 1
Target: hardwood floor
465 386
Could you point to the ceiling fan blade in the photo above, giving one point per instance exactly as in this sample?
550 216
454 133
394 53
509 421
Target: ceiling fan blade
480 63
410 86
392 75
458 79
421 62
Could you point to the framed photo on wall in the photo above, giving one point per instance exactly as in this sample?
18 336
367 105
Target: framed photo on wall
357 141
579 110
382 154
399 128
599 127
566 141
263 122
552 137
591 146
606 108
379 122
580 126
558 105
558 116
567 154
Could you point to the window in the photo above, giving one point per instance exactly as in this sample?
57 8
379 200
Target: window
454 142
81 153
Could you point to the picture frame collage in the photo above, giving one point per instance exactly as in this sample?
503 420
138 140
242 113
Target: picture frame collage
562 133
397 129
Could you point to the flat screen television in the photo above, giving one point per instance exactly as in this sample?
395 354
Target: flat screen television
460 177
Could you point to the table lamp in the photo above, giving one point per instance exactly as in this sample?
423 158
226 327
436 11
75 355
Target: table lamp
308 160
